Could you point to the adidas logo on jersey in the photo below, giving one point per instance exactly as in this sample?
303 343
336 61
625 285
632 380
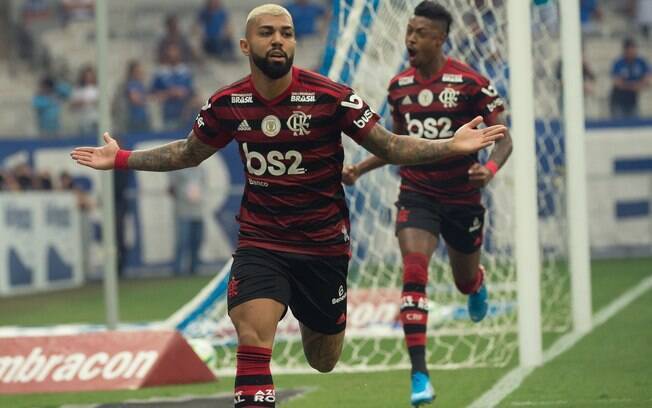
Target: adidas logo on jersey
407 100
244 126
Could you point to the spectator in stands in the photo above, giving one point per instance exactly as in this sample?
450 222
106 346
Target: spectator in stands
24 176
43 180
187 187
590 12
173 87
35 10
174 35
136 99
630 74
68 183
85 99
307 17
588 76
77 10
217 34
8 181
47 105
35 17
644 16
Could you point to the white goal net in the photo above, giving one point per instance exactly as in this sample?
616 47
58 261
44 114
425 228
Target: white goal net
366 48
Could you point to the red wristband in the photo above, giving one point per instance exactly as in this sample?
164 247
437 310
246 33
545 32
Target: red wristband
121 158
492 166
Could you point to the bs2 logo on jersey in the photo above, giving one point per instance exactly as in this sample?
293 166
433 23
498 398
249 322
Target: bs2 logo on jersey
275 163
355 102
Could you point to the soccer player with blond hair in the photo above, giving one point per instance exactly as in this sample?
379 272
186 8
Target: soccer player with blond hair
293 247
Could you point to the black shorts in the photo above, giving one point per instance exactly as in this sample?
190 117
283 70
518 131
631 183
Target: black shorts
460 225
314 287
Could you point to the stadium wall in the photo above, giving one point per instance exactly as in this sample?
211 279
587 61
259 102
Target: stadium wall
149 211
40 242
619 180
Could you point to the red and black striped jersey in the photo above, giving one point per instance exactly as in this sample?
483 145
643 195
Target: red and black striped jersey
291 150
434 109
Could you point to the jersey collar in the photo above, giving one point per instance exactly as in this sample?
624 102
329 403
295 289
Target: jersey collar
420 79
283 95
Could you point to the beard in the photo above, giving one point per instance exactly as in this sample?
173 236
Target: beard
273 70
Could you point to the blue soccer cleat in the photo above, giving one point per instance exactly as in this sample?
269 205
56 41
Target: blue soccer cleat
422 391
478 304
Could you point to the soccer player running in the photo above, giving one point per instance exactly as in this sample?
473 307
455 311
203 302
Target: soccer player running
431 100
293 248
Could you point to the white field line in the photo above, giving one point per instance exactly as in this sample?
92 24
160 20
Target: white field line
512 380
561 403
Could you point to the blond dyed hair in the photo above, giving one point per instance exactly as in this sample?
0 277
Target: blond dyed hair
268 10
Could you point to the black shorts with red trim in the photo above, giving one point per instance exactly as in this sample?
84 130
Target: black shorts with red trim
314 287
461 226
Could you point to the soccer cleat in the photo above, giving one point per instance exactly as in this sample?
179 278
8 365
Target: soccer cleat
478 304
422 391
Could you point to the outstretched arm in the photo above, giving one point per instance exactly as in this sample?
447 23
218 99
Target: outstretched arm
175 155
352 172
503 148
397 149
481 174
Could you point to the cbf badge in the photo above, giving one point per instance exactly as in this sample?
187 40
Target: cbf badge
271 126
425 97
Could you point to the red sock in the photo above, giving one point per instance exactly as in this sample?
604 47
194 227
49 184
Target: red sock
253 380
414 308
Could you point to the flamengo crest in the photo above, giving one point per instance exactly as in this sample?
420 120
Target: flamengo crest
448 97
299 123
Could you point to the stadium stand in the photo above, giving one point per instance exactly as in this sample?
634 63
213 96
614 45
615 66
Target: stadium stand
135 28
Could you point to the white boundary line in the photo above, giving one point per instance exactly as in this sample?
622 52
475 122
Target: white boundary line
512 380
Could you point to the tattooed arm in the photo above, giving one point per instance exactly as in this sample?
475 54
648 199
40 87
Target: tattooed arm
175 155
352 172
397 149
172 156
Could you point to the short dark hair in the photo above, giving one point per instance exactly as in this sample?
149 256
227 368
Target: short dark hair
47 82
435 12
629 42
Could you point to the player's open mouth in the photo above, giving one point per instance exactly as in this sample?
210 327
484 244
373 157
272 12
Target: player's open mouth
277 56
412 54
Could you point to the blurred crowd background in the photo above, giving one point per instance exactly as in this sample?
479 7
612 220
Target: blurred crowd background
166 58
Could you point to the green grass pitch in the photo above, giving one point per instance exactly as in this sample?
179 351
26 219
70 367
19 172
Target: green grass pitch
611 367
